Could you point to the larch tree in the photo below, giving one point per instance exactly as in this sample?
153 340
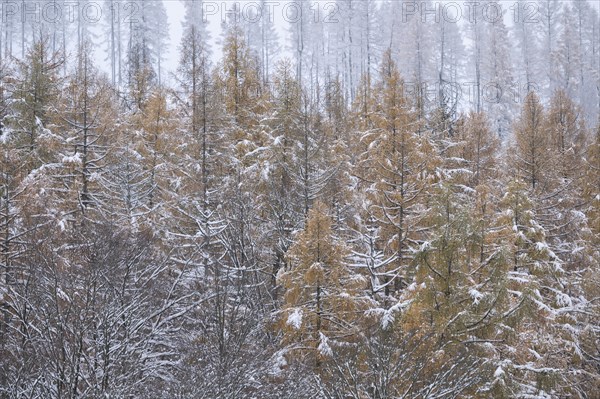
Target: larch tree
588 340
36 92
399 174
85 107
197 151
566 128
126 180
12 172
336 154
197 222
463 301
322 297
591 183
154 125
531 143
560 207
523 230
478 147
308 228
531 264
239 84
222 233
475 161
283 191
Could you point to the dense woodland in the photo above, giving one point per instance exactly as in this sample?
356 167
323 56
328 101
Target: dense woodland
313 226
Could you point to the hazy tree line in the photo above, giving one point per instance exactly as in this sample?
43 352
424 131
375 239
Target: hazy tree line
264 229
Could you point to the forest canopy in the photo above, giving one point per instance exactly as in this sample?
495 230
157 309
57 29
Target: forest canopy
381 203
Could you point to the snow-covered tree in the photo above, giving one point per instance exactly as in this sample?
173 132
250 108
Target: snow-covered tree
322 295
398 171
531 143
35 93
85 107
